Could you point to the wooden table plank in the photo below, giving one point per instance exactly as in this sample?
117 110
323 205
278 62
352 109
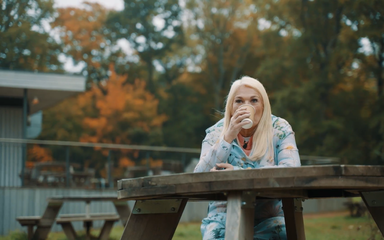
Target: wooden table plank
293 214
267 184
153 226
262 173
240 220
287 183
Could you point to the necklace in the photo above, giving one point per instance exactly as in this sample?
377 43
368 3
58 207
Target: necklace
246 141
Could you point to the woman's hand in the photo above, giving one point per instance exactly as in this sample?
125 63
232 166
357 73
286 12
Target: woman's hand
235 125
222 167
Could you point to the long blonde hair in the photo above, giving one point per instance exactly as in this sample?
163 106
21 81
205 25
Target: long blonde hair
262 138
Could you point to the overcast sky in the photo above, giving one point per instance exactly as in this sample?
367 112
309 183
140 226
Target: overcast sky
114 4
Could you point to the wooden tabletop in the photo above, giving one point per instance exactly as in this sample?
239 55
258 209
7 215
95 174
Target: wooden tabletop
84 198
304 182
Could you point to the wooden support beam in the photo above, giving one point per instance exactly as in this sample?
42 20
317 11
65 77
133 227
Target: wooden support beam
293 214
240 221
374 201
159 226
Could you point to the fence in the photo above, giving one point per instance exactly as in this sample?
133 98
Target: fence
88 165
44 163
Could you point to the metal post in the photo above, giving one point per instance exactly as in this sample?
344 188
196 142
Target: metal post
67 182
183 158
148 163
110 182
24 135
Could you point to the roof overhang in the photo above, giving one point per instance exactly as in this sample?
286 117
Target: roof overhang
49 89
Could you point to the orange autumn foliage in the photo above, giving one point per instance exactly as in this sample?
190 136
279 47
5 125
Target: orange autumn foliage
82 31
152 162
38 154
126 162
120 107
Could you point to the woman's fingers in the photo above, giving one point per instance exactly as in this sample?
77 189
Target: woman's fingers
240 115
236 124
222 167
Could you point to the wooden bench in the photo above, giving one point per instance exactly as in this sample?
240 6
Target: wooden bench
30 222
66 223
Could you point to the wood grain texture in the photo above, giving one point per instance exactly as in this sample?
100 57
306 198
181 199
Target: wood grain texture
293 215
153 226
262 173
240 221
232 226
287 183
123 210
268 184
47 220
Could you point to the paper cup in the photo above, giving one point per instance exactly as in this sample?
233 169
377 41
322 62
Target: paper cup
250 120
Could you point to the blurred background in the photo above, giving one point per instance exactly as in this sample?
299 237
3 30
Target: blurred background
95 91
156 73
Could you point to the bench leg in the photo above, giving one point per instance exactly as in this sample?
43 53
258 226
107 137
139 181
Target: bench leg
240 220
293 215
375 205
30 231
69 231
87 225
105 231
47 220
123 210
159 226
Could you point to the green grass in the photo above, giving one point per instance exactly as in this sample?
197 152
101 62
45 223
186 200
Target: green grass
316 228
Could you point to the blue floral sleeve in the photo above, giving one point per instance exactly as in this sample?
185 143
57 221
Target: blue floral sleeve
214 149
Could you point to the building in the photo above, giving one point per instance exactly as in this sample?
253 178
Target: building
23 95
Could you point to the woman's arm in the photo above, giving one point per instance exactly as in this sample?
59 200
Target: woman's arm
287 154
212 152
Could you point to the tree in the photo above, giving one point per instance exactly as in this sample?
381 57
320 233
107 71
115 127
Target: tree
226 34
25 43
367 18
123 114
152 27
84 36
318 78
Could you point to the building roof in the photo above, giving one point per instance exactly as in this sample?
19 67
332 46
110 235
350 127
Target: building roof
48 88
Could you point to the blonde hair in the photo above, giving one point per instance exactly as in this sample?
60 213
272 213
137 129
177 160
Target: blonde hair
262 138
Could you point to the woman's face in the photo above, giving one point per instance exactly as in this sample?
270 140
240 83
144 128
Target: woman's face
247 95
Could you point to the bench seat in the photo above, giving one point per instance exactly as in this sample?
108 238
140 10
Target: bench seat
30 222
83 215
83 218
66 223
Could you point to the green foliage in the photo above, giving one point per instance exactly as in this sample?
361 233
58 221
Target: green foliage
153 28
25 44
320 81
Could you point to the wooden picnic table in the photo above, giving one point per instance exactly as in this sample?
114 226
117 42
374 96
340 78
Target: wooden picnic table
160 200
44 223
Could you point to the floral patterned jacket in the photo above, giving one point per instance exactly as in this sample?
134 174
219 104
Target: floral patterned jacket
216 150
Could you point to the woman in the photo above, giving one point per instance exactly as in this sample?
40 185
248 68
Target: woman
269 142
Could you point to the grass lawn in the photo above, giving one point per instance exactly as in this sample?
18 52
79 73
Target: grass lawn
333 226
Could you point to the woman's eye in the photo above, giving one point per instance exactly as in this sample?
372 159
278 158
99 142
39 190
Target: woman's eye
254 100
238 101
